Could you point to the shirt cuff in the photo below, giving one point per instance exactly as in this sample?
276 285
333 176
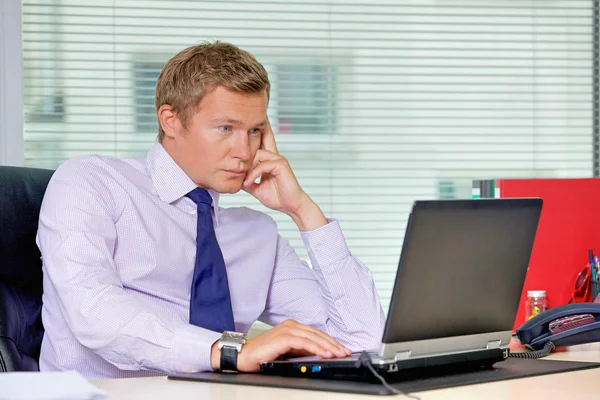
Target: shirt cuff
191 348
326 245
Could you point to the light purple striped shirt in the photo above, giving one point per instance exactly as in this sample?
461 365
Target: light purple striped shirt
118 239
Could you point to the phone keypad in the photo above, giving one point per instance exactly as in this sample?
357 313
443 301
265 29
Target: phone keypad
570 322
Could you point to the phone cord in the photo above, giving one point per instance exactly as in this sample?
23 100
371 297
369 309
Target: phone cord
543 352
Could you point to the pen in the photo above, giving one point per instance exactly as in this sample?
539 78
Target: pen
593 273
593 264
595 280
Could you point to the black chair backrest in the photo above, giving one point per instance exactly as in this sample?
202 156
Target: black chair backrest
21 330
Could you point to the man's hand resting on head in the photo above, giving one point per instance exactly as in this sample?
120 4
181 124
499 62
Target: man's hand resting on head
289 337
278 188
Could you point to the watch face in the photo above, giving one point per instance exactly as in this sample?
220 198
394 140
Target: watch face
235 337
234 334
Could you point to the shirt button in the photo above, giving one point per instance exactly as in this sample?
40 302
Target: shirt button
193 212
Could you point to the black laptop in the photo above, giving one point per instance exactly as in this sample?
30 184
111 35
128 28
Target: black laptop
456 294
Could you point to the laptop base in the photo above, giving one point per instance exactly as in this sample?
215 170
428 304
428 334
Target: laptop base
353 368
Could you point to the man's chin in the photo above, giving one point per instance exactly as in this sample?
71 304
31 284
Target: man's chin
230 188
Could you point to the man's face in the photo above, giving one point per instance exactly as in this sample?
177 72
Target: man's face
217 148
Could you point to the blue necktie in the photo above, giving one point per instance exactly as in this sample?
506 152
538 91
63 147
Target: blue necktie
210 304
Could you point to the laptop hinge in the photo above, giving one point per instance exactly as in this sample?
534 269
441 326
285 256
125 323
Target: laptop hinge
493 344
402 355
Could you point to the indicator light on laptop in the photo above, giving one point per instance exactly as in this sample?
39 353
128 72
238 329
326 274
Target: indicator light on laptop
303 369
316 368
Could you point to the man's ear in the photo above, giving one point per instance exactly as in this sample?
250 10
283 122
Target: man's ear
169 121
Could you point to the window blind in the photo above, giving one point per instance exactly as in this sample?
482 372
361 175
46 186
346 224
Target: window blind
375 104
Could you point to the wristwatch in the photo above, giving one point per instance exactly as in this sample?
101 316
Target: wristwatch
230 345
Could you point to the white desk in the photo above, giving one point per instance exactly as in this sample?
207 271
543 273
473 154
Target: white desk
569 386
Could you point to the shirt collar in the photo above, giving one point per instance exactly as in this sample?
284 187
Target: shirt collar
170 182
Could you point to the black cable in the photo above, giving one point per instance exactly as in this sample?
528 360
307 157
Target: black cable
365 360
547 349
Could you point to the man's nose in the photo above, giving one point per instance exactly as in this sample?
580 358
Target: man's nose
241 148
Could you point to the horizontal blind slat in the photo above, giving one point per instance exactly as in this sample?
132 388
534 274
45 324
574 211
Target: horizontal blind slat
416 97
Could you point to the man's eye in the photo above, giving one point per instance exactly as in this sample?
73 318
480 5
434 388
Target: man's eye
255 131
225 129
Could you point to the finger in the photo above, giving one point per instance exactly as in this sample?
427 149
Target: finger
320 340
297 353
266 167
250 188
302 343
264 155
326 337
268 139
295 324
321 334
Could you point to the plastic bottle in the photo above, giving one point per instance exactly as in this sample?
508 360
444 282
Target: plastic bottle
535 303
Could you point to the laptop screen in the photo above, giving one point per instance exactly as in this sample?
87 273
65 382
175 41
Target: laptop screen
462 268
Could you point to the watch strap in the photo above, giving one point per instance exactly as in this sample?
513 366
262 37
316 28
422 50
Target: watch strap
229 357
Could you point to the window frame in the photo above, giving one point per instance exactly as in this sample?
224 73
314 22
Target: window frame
11 84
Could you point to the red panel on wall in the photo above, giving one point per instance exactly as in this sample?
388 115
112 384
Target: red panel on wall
569 226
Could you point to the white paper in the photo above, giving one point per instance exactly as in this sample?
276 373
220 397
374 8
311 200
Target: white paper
64 385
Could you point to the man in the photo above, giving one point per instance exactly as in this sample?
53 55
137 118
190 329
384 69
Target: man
143 272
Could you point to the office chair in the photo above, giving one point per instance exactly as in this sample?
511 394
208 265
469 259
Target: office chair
21 330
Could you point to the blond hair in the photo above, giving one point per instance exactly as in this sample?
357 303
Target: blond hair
196 70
